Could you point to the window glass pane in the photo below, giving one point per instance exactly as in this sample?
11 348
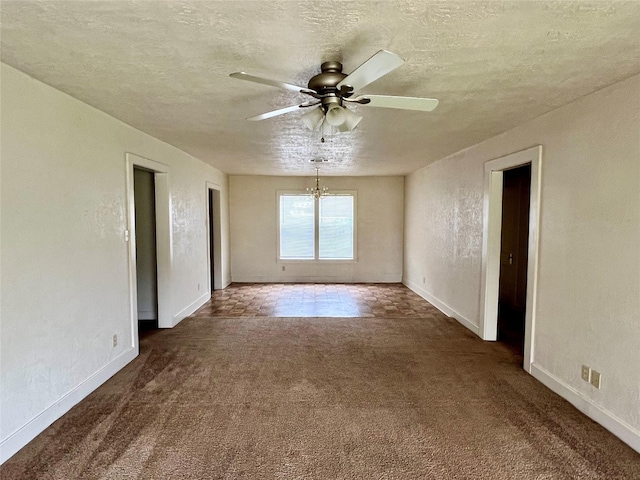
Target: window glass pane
296 227
336 227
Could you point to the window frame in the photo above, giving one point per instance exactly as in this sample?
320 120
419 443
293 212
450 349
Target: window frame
316 228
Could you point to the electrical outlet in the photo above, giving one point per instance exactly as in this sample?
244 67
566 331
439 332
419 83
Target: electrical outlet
283 269
115 340
586 373
423 279
595 379
198 287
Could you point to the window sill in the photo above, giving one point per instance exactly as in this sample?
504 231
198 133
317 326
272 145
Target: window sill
316 261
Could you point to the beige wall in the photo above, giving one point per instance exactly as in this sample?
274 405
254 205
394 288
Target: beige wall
588 307
65 272
253 206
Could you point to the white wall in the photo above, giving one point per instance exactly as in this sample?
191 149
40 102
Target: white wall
253 206
588 307
65 281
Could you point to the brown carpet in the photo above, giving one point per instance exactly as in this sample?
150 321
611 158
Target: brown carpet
323 398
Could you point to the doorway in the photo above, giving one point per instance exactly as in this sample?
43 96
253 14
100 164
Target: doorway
212 242
493 256
146 251
157 185
214 213
512 290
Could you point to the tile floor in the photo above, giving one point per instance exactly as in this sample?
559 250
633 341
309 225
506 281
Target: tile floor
315 300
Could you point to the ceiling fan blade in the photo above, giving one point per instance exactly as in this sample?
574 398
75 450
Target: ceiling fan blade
404 103
377 66
281 111
273 83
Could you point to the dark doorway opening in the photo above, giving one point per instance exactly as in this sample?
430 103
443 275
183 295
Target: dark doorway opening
512 294
146 250
212 214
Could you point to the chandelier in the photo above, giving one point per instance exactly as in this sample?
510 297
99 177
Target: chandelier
317 192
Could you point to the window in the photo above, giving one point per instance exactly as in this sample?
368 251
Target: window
312 229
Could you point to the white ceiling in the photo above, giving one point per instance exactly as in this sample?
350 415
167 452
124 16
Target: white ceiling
163 68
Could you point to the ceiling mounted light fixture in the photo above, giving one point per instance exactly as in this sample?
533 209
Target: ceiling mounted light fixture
317 192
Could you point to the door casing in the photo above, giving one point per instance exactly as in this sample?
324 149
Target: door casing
491 239
163 241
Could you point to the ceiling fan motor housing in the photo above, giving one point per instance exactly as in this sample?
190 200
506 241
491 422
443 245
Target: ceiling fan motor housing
326 81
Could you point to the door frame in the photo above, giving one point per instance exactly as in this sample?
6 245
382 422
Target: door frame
163 241
491 243
217 236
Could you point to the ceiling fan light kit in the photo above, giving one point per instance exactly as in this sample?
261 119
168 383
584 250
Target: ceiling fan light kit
335 115
351 120
313 118
332 88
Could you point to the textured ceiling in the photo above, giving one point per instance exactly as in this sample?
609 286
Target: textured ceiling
163 68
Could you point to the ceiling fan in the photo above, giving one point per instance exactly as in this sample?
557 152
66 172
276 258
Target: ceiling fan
332 90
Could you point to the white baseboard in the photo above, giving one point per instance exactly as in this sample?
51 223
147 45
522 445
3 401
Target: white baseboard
18 439
443 307
188 310
618 427
313 279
